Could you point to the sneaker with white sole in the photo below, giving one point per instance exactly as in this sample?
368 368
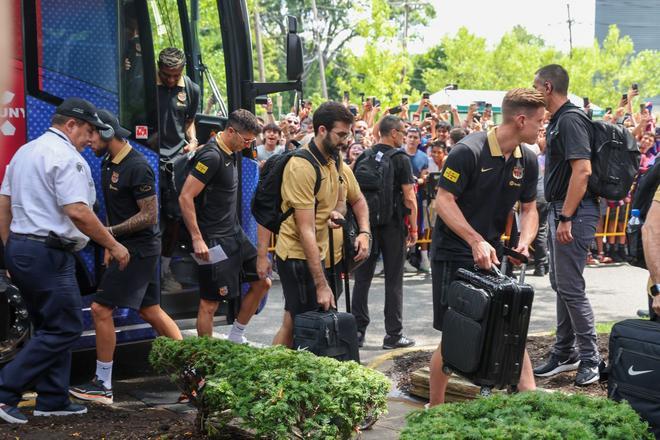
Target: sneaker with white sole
93 391
588 373
12 414
556 365
71 409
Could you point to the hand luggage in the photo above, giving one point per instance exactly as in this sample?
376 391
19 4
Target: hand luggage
328 333
634 368
485 328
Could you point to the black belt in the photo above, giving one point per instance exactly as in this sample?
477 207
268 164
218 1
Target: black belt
30 237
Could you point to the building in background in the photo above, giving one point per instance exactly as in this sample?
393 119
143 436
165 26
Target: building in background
639 19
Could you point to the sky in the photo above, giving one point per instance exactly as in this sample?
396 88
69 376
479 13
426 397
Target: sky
492 18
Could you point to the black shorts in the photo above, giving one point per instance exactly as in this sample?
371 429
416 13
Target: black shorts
298 286
442 275
135 287
223 279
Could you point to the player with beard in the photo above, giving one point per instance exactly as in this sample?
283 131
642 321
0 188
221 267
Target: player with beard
302 243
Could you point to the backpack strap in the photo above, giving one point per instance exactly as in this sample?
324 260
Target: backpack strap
307 155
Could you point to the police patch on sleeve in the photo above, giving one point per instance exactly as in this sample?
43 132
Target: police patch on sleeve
451 175
201 168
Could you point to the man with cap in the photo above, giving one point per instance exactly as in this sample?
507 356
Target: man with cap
45 215
131 202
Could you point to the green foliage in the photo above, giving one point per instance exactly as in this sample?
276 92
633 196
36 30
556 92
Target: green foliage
528 416
277 392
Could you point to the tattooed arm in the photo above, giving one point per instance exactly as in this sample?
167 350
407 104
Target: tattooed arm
148 216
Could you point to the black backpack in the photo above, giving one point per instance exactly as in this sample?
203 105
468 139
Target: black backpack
267 201
647 185
615 159
175 172
375 175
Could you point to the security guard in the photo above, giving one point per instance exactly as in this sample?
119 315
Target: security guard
45 216
129 190
482 178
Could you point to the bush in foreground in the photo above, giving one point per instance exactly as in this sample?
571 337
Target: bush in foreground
537 415
275 392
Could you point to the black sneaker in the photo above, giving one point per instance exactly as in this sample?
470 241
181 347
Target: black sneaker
539 271
12 414
71 409
588 373
390 342
556 365
94 391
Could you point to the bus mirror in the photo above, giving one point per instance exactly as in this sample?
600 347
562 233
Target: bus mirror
294 52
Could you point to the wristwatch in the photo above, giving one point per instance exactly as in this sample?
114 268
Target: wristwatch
655 289
563 218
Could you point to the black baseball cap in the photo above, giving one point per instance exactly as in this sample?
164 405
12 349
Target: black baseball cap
111 120
80 109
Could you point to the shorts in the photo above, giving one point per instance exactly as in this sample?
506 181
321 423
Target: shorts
223 279
135 287
297 285
442 275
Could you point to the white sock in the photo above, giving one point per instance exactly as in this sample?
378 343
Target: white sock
425 257
236 332
104 373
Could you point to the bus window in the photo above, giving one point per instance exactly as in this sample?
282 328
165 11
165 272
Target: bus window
165 25
214 84
132 82
76 49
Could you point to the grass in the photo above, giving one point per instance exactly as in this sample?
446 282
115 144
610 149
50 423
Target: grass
601 328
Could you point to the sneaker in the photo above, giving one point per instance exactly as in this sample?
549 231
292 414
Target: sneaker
556 365
588 373
183 398
71 409
12 414
390 342
409 268
591 261
539 271
94 391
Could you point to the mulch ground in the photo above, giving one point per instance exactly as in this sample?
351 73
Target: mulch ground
538 346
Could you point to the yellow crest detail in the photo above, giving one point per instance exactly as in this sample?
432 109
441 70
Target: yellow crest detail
451 175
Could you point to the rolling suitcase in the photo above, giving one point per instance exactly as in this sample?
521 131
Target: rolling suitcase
633 372
485 328
328 333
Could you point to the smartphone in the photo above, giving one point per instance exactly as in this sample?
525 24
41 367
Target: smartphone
395 110
353 111
426 95
585 102
635 86
261 100
481 105
624 98
489 105
608 110
376 102
362 97
346 96
404 100
642 107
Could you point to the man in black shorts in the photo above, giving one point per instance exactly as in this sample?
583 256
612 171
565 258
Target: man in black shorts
483 177
303 240
208 203
131 203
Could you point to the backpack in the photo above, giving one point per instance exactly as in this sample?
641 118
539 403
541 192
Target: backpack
647 185
375 175
615 159
267 201
174 173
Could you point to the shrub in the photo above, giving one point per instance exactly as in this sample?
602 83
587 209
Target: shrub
535 415
276 392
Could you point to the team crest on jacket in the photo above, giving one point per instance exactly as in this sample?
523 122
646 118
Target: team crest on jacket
115 177
518 172
181 96
223 291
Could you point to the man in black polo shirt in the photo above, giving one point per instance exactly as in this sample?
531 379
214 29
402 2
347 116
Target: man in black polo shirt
484 175
208 202
132 210
572 220
390 238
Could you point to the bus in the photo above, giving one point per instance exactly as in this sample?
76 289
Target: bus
105 51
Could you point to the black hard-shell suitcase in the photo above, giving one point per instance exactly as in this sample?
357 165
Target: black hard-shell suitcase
634 368
328 333
485 328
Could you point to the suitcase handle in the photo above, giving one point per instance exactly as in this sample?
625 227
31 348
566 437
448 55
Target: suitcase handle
517 255
494 270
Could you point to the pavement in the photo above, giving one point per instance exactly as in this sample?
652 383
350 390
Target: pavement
616 293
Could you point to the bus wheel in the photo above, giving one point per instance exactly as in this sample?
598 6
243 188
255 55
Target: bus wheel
15 328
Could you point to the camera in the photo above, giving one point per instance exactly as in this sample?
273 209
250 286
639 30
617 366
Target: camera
431 185
585 102
426 95
395 110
